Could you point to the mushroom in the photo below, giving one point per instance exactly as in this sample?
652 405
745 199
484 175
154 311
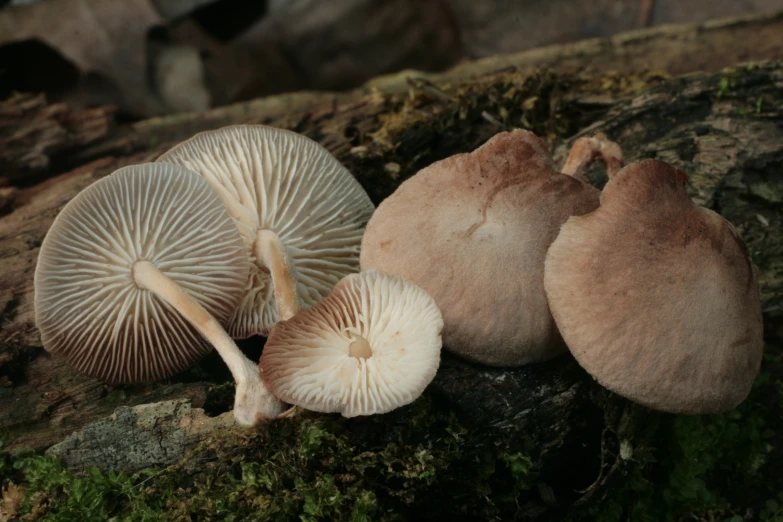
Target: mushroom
369 347
300 212
133 269
658 298
473 230
587 149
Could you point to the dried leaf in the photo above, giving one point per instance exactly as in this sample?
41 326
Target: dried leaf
103 36
12 497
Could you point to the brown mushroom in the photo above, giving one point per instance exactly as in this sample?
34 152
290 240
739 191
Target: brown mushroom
658 298
136 271
473 230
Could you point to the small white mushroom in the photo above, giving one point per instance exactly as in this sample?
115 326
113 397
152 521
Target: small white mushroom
133 269
301 213
371 346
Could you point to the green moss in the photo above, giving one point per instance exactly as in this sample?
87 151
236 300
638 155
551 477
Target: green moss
116 397
726 84
429 123
411 463
522 471
708 467
420 463
731 75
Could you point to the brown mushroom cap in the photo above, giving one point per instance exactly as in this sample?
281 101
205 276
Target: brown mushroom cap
371 346
88 307
473 230
656 297
293 202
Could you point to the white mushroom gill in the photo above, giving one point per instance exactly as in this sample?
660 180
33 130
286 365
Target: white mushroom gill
371 346
301 213
133 269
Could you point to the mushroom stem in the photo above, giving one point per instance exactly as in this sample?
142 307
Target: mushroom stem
253 402
359 348
271 253
585 150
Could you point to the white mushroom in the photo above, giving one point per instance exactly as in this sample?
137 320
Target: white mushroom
371 346
301 213
133 269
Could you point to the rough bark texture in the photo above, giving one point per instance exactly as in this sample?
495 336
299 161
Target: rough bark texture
139 437
31 132
725 130
551 402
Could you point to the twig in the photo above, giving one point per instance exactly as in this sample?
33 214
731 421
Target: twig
646 15
491 119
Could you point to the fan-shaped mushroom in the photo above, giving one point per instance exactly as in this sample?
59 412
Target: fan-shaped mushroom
133 269
656 297
301 213
473 230
371 346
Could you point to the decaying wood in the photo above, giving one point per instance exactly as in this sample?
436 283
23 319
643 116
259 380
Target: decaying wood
139 437
553 409
32 132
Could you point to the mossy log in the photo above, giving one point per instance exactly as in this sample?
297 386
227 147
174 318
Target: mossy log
544 436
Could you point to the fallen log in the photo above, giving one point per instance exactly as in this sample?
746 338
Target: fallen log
482 443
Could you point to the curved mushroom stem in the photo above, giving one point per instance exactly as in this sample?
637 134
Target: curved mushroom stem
271 252
586 150
253 403
286 413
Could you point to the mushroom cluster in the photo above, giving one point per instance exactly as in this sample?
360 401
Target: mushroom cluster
241 227
135 270
654 296
300 213
495 254
480 250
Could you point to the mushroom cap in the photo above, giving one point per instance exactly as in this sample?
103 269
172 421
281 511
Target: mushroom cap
87 305
284 182
658 298
307 360
473 230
